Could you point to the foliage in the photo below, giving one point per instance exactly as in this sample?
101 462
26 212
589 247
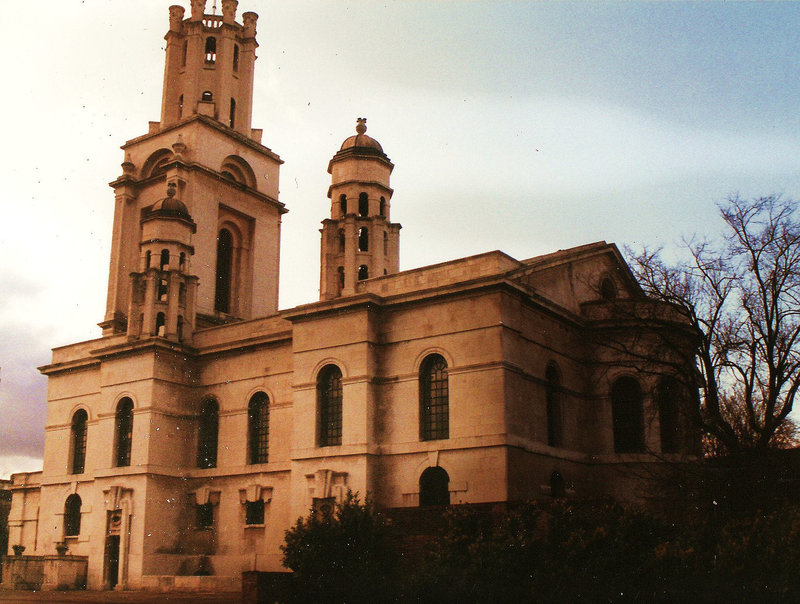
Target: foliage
603 552
742 297
339 556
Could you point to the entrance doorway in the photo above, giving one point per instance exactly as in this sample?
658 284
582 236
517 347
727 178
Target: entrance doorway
113 530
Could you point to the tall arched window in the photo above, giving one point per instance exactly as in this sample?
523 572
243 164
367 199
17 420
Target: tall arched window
341 240
434 398
553 398
164 261
434 485
668 397
148 256
340 271
235 58
343 205
232 120
363 239
124 432
329 404
627 412
184 52
258 428
222 298
207 96
608 291
160 324
383 207
72 516
211 49
363 272
363 204
207 435
79 420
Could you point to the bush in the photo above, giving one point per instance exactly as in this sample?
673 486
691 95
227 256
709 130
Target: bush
340 556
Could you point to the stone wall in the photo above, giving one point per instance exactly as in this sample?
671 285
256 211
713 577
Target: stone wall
45 573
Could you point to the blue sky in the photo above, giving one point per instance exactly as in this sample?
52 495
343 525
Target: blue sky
520 126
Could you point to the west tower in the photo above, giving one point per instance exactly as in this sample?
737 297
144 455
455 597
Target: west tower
205 156
358 241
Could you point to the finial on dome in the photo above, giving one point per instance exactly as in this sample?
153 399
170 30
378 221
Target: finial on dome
361 126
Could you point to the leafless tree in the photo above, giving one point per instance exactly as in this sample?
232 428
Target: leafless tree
741 296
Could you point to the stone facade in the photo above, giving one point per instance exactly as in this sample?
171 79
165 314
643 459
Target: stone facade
182 443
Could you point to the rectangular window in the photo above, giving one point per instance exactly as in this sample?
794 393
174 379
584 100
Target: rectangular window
254 512
204 516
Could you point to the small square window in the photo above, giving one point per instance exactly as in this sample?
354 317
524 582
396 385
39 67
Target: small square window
254 512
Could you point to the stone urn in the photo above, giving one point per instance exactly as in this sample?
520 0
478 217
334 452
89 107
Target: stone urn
18 549
61 548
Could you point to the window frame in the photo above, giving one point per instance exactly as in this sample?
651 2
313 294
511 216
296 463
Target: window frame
434 398
330 403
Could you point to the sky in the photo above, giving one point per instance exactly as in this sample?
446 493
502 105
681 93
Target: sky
521 126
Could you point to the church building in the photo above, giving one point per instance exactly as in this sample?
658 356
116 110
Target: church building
184 441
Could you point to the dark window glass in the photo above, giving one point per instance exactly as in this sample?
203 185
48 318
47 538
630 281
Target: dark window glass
204 516
329 399
254 512
160 324
668 397
363 204
434 487
258 428
124 427
363 239
363 272
553 396
207 96
222 299
208 431
164 261
79 420
434 398
72 516
627 412
232 120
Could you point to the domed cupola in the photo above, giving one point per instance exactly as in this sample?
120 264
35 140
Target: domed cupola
162 301
358 241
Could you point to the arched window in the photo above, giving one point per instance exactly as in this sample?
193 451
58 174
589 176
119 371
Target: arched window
179 328
207 96
258 428
161 327
72 516
182 261
341 277
207 435
148 258
553 399
608 290
343 205
235 57
434 487
182 294
222 298
434 398
668 397
383 207
329 404
627 412
164 260
363 239
211 50
79 420
232 120
180 106
184 52
341 240
363 272
363 204
558 488
124 432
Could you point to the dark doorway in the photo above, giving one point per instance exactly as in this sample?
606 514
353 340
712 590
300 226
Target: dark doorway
433 487
112 560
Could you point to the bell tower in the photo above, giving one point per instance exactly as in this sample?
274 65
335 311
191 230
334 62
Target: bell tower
358 241
221 206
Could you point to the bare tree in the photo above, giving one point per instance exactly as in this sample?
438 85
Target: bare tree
742 299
